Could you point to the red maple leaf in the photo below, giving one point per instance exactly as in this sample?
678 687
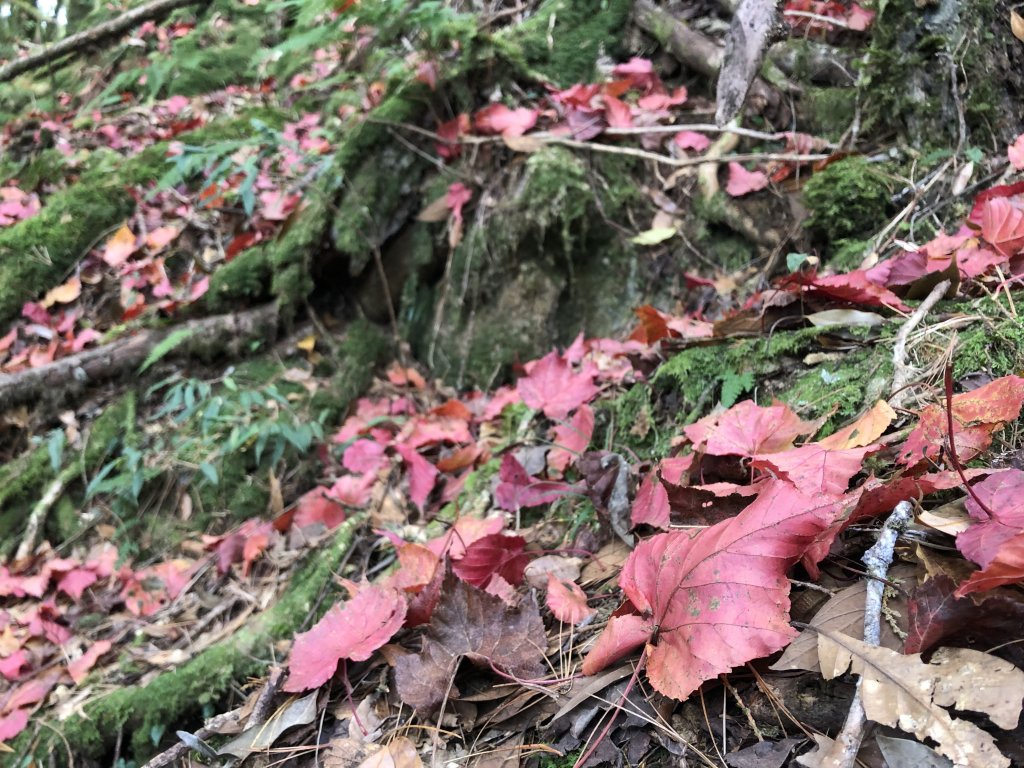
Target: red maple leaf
552 386
316 506
422 474
350 631
518 489
1002 225
651 506
1003 494
711 601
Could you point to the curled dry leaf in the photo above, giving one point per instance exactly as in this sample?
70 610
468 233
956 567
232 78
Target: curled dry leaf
907 693
472 624
568 603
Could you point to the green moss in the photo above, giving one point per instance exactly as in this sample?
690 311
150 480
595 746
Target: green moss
563 40
364 348
244 280
996 348
828 111
289 256
113 428
847 199
842 389
628 424
847 254
178 696
211 58
37 253
21 483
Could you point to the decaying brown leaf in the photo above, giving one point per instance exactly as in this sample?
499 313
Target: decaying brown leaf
907 693
470 623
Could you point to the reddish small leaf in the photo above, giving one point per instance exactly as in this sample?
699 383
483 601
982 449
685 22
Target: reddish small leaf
13 723
1002 225
747 429
552 386
497 118
350 631
1003 494
80 667
743 182
568 603
698 142
572 439
493 555
719 598
315 507
517 489
1015 153
119 247
422 474
364 456
651 504
816 470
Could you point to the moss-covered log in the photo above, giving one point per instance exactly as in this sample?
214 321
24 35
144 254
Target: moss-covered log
178 696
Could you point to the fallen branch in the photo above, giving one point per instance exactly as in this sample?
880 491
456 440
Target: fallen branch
697 51
877 559
89 37
221 334
37 517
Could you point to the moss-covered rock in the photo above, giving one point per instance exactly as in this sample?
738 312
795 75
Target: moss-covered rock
244 281
847 199
563 40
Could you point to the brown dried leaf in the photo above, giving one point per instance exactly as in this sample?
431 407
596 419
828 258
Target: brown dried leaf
843 613
470 623
907 693
400 752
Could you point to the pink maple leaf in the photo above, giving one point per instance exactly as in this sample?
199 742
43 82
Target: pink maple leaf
814 469
743 182
497 118
714 600
350 631
1002 225
1003 495
516 488
315 507
13 723
553 387
617 112
568 603
80 667
422 474
698 142
1015 153
571 439
651 504
364 456
747 429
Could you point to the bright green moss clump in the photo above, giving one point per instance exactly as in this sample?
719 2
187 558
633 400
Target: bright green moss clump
847 199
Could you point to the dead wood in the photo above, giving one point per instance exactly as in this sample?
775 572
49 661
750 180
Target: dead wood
87 38
220 335
698 52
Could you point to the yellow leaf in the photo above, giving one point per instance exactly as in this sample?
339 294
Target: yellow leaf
63 294
308 344
119 247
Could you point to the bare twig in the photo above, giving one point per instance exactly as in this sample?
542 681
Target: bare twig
877 559
902 372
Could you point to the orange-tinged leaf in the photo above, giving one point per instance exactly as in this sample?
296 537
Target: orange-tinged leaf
63 294
161 237
816 470
746 429
119 247
865 430
350 631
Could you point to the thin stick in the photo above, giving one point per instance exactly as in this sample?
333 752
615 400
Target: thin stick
901 371
877 559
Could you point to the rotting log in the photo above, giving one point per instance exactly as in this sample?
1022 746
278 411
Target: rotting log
224 333
89 37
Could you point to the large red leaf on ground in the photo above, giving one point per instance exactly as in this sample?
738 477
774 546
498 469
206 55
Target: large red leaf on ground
651 506
719 598
350 631
748 428
553 387
1002 225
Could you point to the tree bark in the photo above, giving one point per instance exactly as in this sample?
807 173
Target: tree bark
89 37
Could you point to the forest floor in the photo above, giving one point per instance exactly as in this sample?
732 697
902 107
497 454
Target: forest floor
394 384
